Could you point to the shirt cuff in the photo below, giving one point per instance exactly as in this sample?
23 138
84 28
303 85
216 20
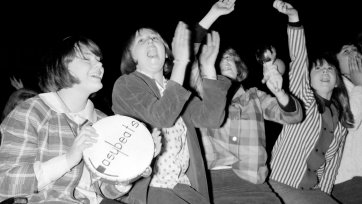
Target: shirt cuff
295 24
290 107
51 170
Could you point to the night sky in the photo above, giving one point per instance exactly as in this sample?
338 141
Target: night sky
30 28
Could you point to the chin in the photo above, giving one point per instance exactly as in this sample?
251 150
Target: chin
96 88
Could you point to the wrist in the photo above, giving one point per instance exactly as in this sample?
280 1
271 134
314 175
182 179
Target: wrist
181 61
293 18
280 94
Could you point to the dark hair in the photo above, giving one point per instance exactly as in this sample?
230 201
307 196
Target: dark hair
56 75
260 55
128 64
15 99
339 95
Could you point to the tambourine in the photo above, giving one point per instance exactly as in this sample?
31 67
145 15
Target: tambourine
124 150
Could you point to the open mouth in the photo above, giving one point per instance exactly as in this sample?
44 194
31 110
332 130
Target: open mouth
152 52
97 75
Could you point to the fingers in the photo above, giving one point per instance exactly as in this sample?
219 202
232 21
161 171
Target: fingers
86 138
276 4
180 42
147 172
156 135
281 6
355 63
215 39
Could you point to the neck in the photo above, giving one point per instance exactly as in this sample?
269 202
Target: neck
156 76
72 99
326 96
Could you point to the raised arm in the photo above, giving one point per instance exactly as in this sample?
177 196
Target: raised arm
287 9
219 8
208 56
181 52
298 73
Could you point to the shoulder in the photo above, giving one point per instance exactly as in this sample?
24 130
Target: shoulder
32 106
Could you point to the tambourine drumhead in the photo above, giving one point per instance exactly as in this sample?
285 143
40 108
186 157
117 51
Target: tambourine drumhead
124 149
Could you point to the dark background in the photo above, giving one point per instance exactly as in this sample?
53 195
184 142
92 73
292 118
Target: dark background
31 27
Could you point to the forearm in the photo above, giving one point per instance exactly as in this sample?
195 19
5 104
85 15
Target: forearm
282 98
51 170
142 100
178 71
209 19
210 111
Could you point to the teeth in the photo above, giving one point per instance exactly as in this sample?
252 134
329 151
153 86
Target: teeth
152 52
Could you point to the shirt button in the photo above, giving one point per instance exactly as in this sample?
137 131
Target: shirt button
316 150
234 139
308 169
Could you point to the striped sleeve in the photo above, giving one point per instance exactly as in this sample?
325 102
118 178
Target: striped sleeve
299 75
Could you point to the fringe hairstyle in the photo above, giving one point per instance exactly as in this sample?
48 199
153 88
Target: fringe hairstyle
339 95
128 64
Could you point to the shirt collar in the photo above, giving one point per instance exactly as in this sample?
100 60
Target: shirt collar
322 103
53 101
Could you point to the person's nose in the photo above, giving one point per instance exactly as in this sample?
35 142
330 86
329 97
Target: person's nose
97 63
150 40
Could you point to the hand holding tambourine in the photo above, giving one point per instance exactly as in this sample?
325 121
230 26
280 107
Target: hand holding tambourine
124 150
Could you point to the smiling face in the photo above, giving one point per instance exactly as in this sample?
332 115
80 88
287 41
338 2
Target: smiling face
87 69
323 78
148 51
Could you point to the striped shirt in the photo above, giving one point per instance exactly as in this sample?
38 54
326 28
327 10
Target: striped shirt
295 142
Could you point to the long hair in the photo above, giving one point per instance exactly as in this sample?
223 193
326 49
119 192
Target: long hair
15 99
56 75
339 95
128 64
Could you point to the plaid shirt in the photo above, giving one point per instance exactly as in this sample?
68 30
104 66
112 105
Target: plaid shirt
34 132
240 142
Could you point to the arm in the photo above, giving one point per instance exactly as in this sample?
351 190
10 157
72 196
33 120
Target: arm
273 110
136 95
18 152
298 74
210 111
219 8
180 51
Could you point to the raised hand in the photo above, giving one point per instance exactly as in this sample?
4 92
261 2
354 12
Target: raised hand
286 9
181 43
208 55
17 84
85 139
272 77
355 68
223 7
